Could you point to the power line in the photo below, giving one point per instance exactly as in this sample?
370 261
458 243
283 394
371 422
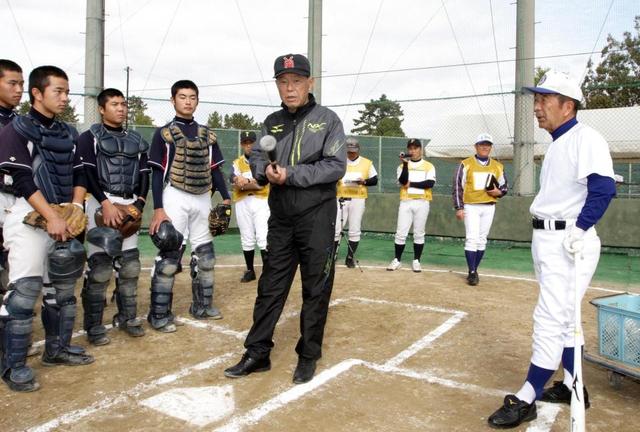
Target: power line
495 49
164 38
424 27
24 44
253 51
409 69
597 39
364 56
466 68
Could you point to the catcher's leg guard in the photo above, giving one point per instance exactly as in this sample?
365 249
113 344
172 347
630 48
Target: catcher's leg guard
15 333
126 293
160 316
96 280
202 263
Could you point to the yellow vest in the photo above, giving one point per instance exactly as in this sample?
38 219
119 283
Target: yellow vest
417 173
241 164
477 174
359 170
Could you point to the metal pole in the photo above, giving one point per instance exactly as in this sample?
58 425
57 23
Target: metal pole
126 97
523 155
94 59
314 46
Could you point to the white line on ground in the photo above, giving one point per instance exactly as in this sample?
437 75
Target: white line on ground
547 414
296 392
135 392
215 327
426 340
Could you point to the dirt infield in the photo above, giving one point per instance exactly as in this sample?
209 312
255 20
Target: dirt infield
403 352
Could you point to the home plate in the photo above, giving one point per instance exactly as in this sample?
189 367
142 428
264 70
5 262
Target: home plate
196 405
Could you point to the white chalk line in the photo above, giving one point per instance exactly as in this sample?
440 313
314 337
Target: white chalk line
547 413
135 392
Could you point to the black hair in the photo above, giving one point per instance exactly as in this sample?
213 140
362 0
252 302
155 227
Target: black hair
9 66
39 78
107 94
183 84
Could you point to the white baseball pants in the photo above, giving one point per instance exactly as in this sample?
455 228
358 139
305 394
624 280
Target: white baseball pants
189 214
412 211
477 223
252 215
553 316
352 212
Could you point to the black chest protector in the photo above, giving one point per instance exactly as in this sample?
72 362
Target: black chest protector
191 166
118 156
52 156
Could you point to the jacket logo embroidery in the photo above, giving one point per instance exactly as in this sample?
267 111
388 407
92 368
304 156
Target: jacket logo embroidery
277 128
316 127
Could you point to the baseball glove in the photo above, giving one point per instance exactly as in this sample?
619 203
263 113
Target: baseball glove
71 213
219 219
131 221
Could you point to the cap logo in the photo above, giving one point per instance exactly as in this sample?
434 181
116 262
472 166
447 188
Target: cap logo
287 62
542 80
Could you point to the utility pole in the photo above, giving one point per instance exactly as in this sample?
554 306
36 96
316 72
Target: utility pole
314 45
94 60
523 155
126 97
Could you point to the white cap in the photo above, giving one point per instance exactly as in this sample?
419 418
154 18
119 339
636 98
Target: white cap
484 137
554 82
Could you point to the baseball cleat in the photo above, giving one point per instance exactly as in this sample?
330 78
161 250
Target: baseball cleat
304 370
350 263
415 266
472 278
512 413
394 265
248 276
560 393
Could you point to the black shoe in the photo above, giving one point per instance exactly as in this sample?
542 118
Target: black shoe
21 380
512 413
304 371
350 263
472 278
560 393
248 276
66 358
248 365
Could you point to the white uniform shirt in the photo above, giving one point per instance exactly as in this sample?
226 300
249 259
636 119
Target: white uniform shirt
576 154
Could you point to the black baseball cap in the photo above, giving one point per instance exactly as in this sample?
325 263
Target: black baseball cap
247 136
414 142
292 63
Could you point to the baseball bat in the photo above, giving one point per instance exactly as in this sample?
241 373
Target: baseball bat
577 392
268 145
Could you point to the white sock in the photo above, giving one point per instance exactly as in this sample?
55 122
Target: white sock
526 393
568 379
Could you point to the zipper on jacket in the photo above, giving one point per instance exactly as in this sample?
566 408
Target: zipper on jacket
293 143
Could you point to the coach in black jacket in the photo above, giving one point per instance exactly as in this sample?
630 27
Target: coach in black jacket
311 158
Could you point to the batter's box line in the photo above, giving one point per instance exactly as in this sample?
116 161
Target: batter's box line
546 414
133 393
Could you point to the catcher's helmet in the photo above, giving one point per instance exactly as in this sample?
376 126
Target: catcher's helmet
167 238
108 239
66 260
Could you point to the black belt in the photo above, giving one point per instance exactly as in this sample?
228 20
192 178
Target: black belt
123 195
344 199
548 224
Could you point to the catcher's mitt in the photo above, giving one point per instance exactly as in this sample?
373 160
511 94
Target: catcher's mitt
71 213
219 219
130 222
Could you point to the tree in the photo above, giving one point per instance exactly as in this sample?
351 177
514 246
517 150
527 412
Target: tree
215 120
615 82
232 121
240 121
138 112
380 117
67 115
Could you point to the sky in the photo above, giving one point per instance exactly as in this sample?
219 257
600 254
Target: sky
221 44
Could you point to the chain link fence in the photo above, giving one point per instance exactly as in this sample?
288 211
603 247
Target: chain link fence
447 128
